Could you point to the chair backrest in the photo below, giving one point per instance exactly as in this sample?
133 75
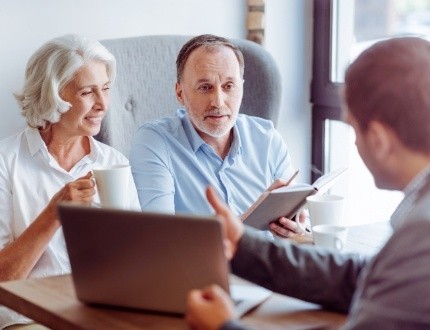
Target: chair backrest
145 84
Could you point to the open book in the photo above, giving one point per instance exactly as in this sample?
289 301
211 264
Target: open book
286 201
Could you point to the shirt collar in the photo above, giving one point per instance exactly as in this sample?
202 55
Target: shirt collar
417 182
34 140
36 143
196 141
411 191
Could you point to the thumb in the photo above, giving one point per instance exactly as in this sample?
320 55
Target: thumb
89 175
212 197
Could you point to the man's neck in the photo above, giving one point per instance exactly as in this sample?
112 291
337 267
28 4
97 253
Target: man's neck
415 166
221 145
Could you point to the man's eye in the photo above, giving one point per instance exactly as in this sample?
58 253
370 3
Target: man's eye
86 93
229 86
205 88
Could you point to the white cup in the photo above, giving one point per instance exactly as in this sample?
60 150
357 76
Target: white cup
330 236
323 209
113 185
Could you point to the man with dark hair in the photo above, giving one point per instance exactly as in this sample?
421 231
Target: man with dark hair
208 142
387 102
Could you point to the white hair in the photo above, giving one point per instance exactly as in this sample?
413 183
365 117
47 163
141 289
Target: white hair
49 70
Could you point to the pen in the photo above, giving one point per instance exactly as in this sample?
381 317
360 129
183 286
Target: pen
292 178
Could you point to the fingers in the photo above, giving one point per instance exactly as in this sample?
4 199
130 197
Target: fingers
303 216
81 190
286 228
89 175
209 308
232 227
278 183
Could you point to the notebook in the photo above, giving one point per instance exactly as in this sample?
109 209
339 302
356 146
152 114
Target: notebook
148 261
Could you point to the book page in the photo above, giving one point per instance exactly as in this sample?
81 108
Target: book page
324 183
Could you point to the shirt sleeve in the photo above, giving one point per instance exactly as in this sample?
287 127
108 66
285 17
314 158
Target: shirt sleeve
300 271
150 164
6 206
281 161
395 293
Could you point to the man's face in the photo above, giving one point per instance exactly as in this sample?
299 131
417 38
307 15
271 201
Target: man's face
371 151
211 90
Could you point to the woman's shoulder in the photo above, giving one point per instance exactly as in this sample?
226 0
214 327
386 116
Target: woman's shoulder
11 143
107 152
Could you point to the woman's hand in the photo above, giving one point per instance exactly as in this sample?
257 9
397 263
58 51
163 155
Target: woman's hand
80 191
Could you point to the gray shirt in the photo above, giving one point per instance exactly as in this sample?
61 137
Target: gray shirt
389 291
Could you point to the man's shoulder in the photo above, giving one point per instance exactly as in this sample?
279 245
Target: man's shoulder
409 244
166 125
254 123
421 208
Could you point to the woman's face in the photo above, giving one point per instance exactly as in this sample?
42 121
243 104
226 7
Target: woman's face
88 93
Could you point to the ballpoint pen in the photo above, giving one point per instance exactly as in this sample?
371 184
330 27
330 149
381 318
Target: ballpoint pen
292 177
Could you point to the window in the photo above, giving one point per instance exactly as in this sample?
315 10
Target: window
342 30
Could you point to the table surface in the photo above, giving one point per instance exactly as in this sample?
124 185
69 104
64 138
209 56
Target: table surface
52 301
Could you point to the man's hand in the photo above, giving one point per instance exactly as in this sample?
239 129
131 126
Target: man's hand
209 308
232 226
278 183
288 228
285 227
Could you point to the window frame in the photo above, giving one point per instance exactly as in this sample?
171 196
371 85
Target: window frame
325 94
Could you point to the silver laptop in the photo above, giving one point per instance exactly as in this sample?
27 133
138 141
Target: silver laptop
144 260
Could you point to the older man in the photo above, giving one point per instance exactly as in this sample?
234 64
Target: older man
208 142
387 103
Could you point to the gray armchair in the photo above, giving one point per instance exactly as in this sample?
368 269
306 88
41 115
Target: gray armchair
145 85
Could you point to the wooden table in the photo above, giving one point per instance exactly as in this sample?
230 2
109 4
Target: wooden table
52 301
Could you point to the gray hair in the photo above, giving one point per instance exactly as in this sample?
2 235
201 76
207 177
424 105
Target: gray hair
209 42
50 69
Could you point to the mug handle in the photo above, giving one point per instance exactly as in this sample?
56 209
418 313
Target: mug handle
338 244
296 219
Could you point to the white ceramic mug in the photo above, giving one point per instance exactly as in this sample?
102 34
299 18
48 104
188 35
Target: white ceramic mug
323 209
113 185
330 236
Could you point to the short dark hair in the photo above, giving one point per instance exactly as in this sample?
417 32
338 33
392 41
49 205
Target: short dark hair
390 82
210 42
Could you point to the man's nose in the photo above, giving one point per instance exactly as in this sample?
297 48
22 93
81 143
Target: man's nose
217 98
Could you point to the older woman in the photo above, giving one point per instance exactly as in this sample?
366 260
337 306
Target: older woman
64 100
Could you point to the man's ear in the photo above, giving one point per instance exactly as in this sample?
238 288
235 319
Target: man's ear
380 138
179 93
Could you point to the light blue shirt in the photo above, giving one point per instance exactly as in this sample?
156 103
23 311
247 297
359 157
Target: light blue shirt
172 165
